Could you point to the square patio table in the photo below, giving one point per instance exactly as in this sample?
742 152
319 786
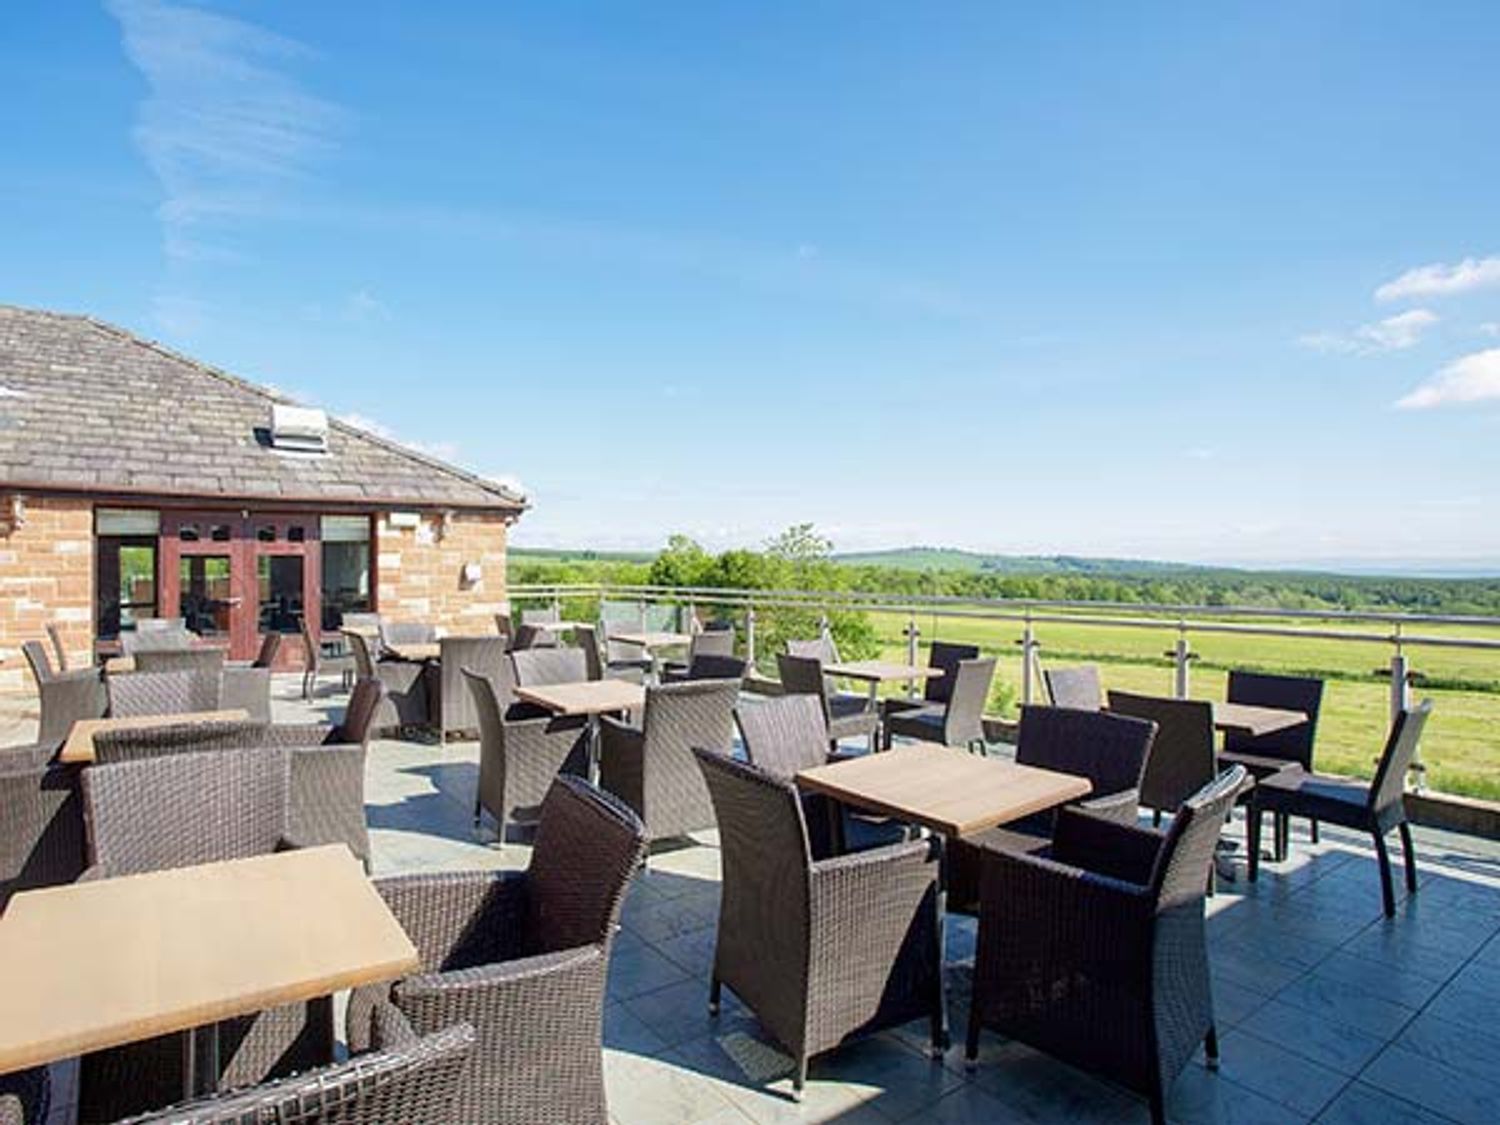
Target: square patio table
79 747
416 652
653 642
98 964
586 697
877 672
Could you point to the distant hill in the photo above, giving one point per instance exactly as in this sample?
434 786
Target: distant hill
550 554
949 558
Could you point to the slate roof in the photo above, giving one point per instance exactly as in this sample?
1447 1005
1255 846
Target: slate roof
88 407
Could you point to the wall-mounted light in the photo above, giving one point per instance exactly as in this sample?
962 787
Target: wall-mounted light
473 572
17 516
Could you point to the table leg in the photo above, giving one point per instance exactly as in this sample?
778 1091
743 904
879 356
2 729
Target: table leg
200 1061
593 749
940 1031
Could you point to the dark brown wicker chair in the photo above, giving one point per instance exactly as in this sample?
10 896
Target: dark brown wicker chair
717 642
41 821
356 729
405 684
822 951
523 956
651 768
1077 689
958 721
163 693
504 625
324 656
1271 753
405 1079
533 636
705 667
1097 953
549 666
586 638
847 715
55 636
522 749
174 812
453 707
1110 750
25 1096
1183 757
65 697
1375 808
784 735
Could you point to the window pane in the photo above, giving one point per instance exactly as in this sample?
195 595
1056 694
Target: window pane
188 533
203 600
126 521
280 578
296 534
125 567
346 581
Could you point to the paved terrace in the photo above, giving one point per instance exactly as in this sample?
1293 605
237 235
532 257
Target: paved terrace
1327 1012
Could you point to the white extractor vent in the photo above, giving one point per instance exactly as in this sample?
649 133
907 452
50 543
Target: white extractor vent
300 429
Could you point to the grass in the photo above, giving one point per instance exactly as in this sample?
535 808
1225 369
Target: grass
1462 745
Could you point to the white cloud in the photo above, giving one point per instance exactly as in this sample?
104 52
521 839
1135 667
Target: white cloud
1474 378
1490 328
442 450
1394 333
1442 280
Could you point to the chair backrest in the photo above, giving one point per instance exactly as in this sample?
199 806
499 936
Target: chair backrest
712 642
410 1079
549 666
360 645
504 626
819 648
1182 866
1290 693
361 622
1183 758
161 625
153 634
947 656
270 648
708 666
41 821
175 738
622 617
1389 784
533 636
1078 689
783 734
312 648
693 713
55 636
158 813
359 714
204 661
1109 750
586 637
163 693
36 657
407 633
803 675
588 845
969 687
489 710
485 655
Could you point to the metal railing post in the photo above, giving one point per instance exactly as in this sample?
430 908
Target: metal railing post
691 624
1028 662
825 627
1401 677
750 635
1182 655
913 635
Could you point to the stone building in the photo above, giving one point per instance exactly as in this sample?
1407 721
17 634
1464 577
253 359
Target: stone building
136 482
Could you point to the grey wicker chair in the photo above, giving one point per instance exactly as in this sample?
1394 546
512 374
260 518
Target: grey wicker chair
716 642
1375 808
523 956
1078 689
174 812
822 951
453 707
248 688
407 633
41 821
320 657
619 657
1268 754
522 750
133 744
163 693
651 768
959 721
154 634
1097 953
405 684
847 716
203 661
1183 757
533 636
1110 750
65 697
404 1079
54 634
549 666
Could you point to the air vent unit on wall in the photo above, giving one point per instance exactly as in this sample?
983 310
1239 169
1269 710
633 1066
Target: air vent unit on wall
299 429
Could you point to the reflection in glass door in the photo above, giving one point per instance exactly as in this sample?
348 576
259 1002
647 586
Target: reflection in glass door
205 594
280 579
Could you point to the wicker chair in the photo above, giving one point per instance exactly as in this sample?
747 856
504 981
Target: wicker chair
66 697
265 656
405 684
41 821
504 625
54 634
405 1079
1375 808
651 768
783 736
1110 750
522 750
154 634
163 693
174 812
1270 753
1183 757
1077 689
619 617
1097 954
549 666
533 636
453 709
203 661
847 716
25 1096
133 744
407 633
705 667
821 951
717 641
523 956
959 721
318 659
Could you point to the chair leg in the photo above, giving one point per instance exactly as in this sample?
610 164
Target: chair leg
1312 829
478 813
1384 856
1252 838
1211 1048
971 1043
799 1079
1411 858
307 684
1156 818
1283 831
1158 1108
715 990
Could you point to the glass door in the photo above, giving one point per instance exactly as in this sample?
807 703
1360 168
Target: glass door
287 574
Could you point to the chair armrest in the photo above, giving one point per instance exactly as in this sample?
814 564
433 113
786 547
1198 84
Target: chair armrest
612 728
893 706
857 880
458 919
497 975
296 734
1105 847
1123 807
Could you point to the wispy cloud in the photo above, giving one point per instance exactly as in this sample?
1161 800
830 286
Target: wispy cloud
225 126
1441 280
1474 378
1490 328
1394 333
442 450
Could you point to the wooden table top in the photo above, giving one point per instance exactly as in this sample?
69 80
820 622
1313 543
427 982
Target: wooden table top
416 651
585 697
79 748
557 626
881 671
652 640
94 965
1243 718
949 791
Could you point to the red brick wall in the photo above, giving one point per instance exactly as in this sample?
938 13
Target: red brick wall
46 574
419 571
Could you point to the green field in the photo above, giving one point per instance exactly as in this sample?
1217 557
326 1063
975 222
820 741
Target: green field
1462 746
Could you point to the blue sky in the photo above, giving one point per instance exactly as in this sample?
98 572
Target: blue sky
1195 281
